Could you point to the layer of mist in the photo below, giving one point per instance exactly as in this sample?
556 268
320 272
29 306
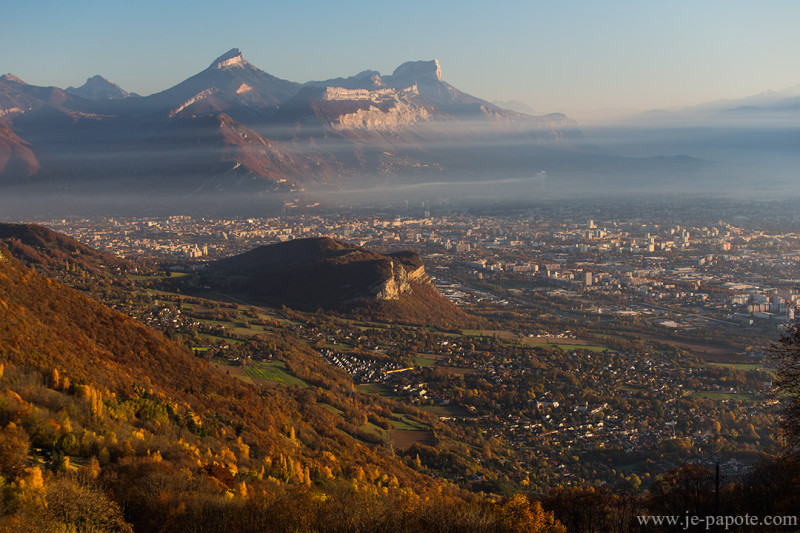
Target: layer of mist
720 156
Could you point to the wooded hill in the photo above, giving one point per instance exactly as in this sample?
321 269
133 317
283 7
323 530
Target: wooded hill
323 273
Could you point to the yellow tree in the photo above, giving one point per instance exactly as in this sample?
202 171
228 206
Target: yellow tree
518 515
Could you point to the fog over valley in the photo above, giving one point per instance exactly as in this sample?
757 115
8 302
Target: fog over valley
234 129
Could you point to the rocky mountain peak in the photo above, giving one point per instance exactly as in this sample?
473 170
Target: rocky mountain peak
231 58
98 88
367 74
418 71
373 77
11 77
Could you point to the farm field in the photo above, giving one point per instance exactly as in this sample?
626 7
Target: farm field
272 371
721 396
404 439
235 371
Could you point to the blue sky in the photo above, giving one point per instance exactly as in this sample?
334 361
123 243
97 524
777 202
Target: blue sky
574 56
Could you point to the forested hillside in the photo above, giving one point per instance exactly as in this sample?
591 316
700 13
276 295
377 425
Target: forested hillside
107 425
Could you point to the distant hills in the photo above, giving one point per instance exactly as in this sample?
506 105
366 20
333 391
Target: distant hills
786 100
756 110
310 274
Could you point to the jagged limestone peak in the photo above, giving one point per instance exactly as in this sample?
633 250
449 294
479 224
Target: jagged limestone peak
419 71
232 57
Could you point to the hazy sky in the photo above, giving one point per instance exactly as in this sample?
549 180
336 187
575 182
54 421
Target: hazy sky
556 55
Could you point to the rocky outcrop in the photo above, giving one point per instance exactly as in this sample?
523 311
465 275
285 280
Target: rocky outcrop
231 58
413 72
202 95
398 282
377 110
12 78
391 287
418 275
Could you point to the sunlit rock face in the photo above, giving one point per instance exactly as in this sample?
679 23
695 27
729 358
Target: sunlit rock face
231 58
375 110
413 72
398 282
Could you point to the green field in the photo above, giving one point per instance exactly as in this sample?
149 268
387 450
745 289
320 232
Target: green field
741 366
369 388
221 339
423 361
404 422
140 277
720 396
341 347
375 388
633 388
369 427
234 371
272 371
500 334
573 347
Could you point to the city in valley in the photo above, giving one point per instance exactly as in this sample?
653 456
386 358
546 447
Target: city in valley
521 268
612 342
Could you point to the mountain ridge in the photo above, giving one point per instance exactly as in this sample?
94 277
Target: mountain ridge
276 134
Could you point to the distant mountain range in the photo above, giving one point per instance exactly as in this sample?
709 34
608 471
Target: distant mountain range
234 126
766 106
767 101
